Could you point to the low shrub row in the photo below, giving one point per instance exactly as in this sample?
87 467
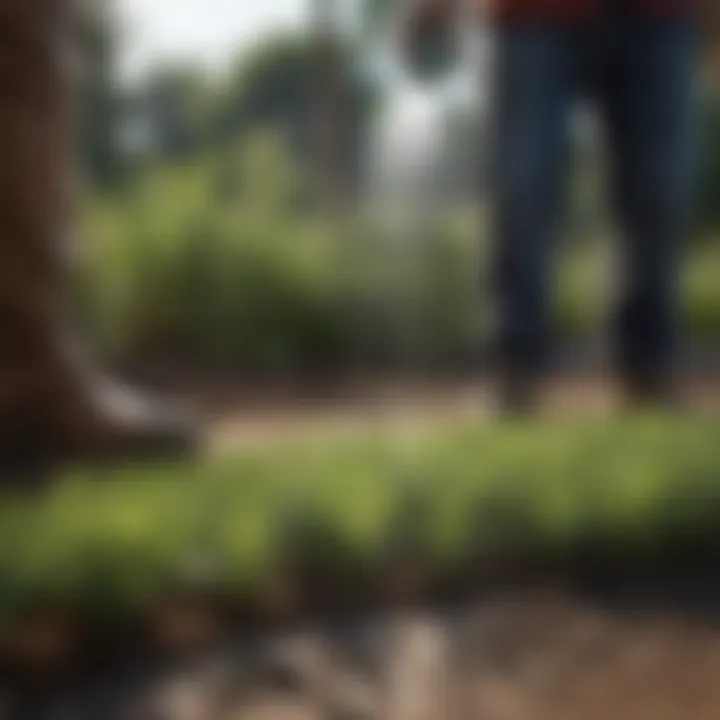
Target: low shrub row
353 514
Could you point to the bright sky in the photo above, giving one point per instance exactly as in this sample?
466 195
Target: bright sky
210 31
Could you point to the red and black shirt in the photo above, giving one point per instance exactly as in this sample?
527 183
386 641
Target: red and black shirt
588 10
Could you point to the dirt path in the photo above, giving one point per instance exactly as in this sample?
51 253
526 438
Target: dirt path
246 417
524 656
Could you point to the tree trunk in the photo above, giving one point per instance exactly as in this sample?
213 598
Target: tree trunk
333 173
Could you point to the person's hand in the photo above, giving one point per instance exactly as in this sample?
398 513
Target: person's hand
424 18
428 35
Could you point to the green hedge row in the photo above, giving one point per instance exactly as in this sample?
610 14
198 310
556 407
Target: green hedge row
452 501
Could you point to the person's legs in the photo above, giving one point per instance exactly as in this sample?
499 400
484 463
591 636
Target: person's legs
650 108
535 81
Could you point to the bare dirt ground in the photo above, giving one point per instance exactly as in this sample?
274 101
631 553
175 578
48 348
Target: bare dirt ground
247 416
522 656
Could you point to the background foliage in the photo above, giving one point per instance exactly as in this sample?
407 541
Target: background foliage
206 243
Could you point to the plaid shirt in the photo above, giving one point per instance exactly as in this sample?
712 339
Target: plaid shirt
584 10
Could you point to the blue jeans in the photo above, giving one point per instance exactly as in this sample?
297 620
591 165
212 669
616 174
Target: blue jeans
641 77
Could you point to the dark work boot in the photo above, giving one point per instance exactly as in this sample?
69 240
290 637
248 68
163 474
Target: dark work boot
651 390
53 408
517 393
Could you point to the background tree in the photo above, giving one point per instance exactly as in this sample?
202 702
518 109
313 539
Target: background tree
285 84
331 70
270 87
102 102
174 104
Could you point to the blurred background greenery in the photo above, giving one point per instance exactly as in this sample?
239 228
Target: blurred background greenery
228 230
209 241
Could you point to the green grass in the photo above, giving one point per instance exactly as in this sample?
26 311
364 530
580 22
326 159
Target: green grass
456 497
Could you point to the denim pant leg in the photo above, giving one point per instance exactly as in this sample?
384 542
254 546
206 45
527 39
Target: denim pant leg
649 105
534 85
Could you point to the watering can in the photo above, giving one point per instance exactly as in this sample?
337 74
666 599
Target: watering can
429 39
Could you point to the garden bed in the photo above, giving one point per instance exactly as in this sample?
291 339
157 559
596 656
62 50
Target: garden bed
280 531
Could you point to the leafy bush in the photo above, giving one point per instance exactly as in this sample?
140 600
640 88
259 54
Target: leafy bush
457 498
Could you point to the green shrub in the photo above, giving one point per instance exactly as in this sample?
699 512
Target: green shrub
454 496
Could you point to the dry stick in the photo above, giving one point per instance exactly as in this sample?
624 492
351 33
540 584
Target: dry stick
417 674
